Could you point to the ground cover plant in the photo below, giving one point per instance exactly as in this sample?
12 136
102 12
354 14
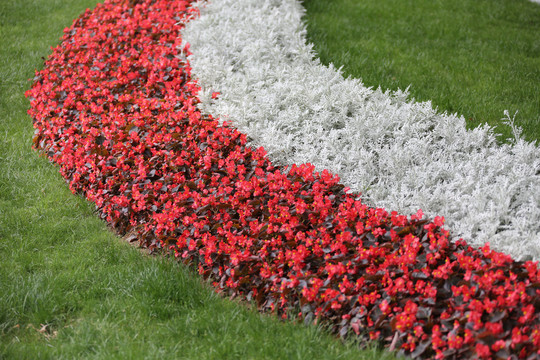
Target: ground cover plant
476 58
69 289
399 154
115 108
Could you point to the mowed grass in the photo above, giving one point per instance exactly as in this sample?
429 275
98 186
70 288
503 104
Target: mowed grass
476 58
71 289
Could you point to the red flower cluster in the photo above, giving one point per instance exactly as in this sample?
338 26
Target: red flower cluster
115 108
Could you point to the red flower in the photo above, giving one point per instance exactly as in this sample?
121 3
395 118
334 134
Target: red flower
385 307
482 350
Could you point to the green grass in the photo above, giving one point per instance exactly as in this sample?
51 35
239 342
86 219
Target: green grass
71 289
471 57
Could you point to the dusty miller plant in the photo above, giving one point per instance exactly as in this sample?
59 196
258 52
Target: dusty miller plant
399 154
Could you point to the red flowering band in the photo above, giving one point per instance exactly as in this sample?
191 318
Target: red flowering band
115 108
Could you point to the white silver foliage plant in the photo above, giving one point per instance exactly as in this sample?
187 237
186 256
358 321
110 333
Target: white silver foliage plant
399 154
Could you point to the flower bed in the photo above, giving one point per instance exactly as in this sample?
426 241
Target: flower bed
116 108
400 154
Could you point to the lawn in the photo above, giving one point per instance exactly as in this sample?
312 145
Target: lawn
476 58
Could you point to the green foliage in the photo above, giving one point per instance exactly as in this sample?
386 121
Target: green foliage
476 58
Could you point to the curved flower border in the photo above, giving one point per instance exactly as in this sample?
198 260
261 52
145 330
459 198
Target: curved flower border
400 154
116 108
